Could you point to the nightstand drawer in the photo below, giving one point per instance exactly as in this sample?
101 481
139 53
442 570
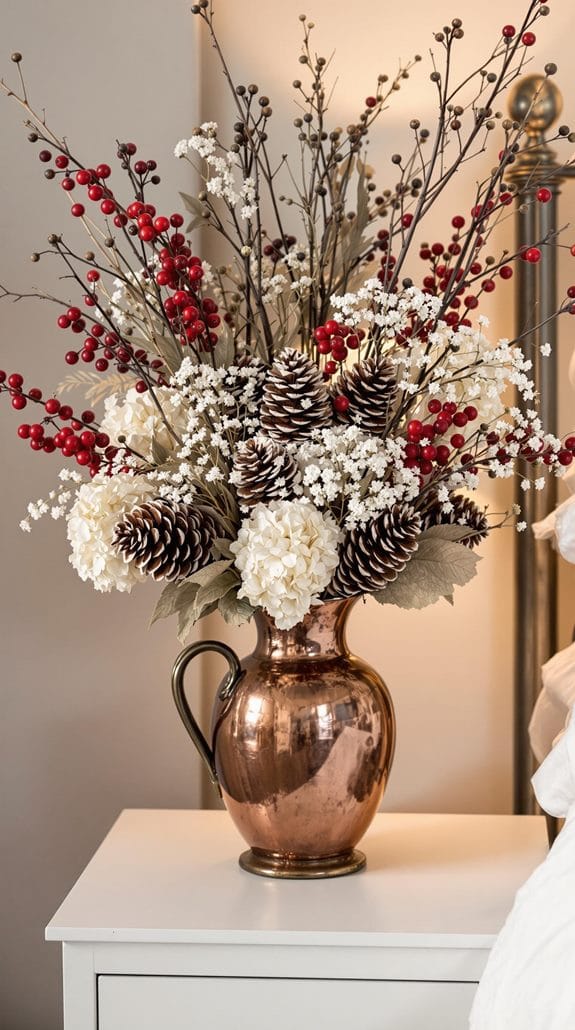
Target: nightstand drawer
218 1003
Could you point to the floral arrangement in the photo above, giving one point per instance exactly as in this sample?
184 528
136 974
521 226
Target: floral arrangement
305 421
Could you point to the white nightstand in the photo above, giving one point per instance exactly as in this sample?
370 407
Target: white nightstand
163 931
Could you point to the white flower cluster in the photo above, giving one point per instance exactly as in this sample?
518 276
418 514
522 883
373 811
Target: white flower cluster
57 503
137 419
221 407
524 430
371 305
342 467
98 508
203 143
222 183
286 553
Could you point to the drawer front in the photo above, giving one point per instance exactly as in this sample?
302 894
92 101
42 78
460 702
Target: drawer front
218 1003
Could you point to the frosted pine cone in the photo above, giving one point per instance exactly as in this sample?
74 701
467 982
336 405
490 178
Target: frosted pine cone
166 540
370 387
465 513
263 471
372 557
295 399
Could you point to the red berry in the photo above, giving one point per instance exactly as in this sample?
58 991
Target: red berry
83 177
428 452
66 411
434 406
15 380
24 431
532 254
61 161
458 221
371 101
78 326
141 386
71 357
441 426
570 443
443 454
101 365
52 406
88 416
544 195
86 354
64 322
467 459
457 440
506 272
471 412
572 250
176 220
103 171
406 221
460 419
341 403
488 285
330 367
77 210
45 156
508 31
414 428
19 402
96 192
88 438
147 233
528 38
67 183
83 457
161 224
564 457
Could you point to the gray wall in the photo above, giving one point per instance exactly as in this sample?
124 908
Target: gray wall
87 725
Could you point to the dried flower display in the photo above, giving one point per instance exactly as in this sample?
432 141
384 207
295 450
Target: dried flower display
303 422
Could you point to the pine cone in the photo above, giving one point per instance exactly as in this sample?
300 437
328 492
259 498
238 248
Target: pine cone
295 400
263 471
465 513
372 557
370 387
236 384
166 540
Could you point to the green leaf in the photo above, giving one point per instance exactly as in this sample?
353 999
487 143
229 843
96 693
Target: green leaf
160 454
447 531
196 208
221 547
215 589
235 611
174 596
209 572
438 565
188 618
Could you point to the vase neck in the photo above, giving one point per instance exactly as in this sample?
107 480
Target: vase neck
321 633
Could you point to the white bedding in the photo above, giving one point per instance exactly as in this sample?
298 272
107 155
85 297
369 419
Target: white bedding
529 981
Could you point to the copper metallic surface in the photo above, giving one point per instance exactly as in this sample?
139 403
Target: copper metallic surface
302 743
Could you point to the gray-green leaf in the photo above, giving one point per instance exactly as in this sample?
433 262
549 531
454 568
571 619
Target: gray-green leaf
235 610
439 565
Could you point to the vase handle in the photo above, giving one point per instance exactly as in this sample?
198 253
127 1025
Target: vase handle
225 692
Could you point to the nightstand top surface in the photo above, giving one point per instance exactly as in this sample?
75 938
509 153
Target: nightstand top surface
431 881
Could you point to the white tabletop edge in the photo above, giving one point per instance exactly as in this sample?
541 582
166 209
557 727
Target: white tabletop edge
103 935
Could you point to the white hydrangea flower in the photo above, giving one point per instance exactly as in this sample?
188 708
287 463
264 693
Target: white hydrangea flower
286 552
99 506
136 417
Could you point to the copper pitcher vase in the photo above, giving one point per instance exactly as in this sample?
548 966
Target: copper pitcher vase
302 741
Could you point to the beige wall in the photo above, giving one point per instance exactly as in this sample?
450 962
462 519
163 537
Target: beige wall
87 723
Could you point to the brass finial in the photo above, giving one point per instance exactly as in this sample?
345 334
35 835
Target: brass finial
536 101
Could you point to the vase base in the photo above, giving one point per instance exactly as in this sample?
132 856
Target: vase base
266 863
